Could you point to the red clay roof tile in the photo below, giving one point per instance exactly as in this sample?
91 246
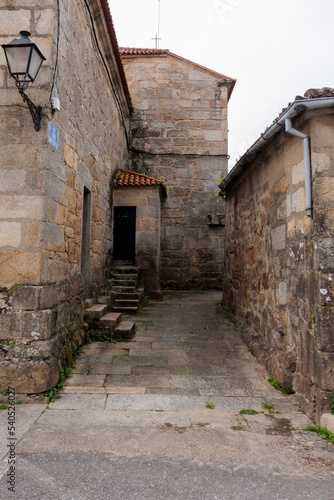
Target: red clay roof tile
126 178
133 51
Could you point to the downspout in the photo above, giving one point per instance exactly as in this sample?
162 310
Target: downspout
307 164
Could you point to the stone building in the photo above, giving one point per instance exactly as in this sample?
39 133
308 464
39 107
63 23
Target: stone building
279 267
57 190
179 135
56 213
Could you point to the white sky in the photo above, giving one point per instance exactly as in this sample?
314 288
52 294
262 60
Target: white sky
276 49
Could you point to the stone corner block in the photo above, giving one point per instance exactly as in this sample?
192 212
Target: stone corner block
30 376
26 298
327 420
33 325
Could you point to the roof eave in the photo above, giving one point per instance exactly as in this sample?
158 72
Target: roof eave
295 108
115 46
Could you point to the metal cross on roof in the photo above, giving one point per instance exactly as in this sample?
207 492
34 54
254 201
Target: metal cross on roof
157 36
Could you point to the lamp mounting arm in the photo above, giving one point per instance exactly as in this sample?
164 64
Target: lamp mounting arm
35 111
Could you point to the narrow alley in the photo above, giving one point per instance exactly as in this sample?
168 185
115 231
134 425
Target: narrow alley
167 416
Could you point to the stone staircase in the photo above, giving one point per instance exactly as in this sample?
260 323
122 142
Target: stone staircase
104 315
126 296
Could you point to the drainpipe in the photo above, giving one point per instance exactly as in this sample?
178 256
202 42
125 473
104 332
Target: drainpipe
307 164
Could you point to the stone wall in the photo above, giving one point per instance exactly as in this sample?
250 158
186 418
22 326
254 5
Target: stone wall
278 270
42 188
181 117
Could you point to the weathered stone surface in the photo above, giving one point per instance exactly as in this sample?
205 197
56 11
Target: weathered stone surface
111 319
33 325
97 311
327 420
194 117
278 277
29 376
27 297
19 267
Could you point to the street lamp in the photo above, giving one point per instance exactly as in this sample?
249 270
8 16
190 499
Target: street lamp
24 60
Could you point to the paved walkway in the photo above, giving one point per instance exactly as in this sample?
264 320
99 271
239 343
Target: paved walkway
159 418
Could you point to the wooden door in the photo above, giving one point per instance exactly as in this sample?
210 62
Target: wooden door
124 233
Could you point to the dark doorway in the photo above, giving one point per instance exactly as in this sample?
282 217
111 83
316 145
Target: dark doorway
85 241
124 233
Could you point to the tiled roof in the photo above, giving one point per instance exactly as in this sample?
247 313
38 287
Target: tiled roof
316 93
114 43
126 178
132 51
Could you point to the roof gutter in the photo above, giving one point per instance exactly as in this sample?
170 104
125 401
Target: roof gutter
291 112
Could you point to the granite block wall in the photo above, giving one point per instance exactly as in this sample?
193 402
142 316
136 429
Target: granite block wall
43 278
278 267
180 120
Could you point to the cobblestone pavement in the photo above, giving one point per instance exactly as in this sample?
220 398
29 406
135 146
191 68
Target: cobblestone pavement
159 418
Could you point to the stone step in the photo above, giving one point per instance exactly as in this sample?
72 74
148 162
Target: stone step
125 269
125 330
111 319
127 277
105 299
96 311
124 283
127 302
125 309
89 303
127 296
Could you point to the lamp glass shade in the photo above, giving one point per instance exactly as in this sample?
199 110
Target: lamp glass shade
24 60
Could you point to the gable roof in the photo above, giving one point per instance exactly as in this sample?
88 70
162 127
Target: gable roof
127 178
133 51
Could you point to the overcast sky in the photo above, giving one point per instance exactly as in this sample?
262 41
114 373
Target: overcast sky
276 49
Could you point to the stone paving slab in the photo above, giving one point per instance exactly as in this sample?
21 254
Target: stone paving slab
83 390
115 418
178 403
90 359
126 390
158 352
143 338
85 380
160 370
96 369
174 392
119 369
107 350
25 416
79 401
137 381
134 345
140 360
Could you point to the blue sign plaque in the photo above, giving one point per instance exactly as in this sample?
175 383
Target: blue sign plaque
53 136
